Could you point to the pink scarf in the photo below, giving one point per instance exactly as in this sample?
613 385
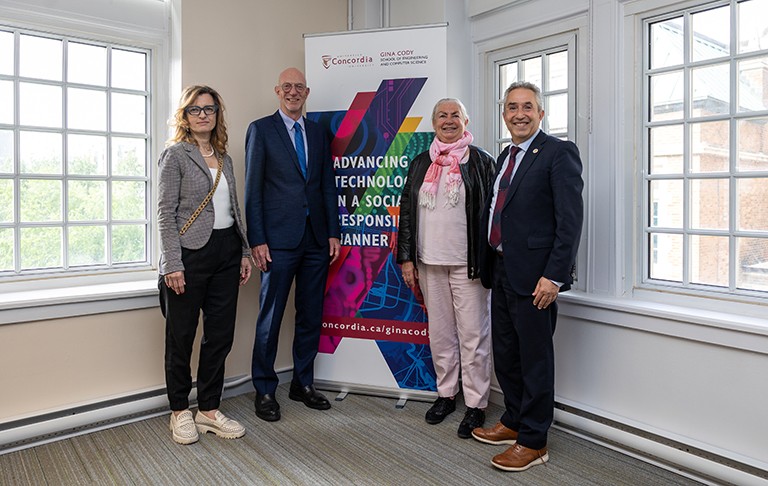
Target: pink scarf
442 155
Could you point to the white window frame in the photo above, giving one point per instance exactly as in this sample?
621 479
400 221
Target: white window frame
128 23
702 298
521 52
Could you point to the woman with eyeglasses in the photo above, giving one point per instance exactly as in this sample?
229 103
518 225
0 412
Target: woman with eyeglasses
204 258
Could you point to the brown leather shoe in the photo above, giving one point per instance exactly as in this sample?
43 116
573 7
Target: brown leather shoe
496 435
519 458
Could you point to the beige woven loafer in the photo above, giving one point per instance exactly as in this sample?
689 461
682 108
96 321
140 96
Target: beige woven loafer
223 427
183 428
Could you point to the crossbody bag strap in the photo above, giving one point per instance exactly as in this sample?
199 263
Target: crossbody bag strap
206 200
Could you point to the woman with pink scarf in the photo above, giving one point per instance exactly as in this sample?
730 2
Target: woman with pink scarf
438 240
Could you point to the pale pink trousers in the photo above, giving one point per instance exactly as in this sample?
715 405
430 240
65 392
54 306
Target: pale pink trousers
459 331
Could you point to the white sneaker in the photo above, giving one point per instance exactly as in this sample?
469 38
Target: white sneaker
183 428
223 427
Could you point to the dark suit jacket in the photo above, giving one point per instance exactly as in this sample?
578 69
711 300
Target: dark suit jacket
542 216
277 197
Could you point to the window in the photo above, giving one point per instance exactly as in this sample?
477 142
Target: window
549 70
705 180
74 151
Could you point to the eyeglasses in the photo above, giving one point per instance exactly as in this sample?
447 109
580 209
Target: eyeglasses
287 87
207 109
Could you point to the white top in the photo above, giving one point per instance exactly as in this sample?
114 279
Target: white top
442 237
222 207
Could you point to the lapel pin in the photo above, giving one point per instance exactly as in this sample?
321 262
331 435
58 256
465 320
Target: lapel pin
535 151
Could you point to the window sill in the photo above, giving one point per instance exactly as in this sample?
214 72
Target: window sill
740 329
77 300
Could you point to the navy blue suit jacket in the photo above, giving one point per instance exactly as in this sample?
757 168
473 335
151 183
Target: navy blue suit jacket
542 216
277 197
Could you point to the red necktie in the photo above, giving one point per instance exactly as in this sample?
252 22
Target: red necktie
501 197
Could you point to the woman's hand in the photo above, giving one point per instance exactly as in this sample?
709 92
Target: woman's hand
175 282
410 274
245 270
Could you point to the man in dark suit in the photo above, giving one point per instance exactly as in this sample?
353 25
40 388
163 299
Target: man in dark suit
293 229
534 224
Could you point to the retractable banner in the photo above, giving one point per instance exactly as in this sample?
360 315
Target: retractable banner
374 91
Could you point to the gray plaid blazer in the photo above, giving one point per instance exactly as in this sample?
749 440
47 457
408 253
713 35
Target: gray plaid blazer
184 182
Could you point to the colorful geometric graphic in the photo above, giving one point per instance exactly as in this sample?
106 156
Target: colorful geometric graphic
366 298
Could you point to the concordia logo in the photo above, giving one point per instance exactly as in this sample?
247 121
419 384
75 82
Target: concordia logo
327 61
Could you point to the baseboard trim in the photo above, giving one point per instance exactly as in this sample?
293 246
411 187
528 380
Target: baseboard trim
684 459
91 417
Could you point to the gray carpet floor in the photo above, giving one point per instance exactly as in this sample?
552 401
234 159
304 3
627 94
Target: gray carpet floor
362 441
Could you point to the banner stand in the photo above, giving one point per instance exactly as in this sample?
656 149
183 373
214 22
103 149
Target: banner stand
374 91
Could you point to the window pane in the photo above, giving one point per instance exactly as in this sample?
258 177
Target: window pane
86 109
128 243
753 144
532 71
711 34
40 153
129 69
667 43
40 105
87 154
40 57
709 203
709 260
667 96
753 36
87 200
557 114
709 146
558 71
86 64
70 171
40 200
667 196
503 131
6 53
667 149
41 247
128 200
752 263
87 245
6 101
753 92
129 156
752 195
6 249
6 151
6 201
128 113
710 88
507 76
666 257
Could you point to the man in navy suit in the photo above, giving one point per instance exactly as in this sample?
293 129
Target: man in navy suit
293 229
534 224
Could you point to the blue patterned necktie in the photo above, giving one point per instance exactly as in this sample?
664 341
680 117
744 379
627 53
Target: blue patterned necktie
300 151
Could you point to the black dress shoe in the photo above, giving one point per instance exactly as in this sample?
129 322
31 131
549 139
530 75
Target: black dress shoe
442 407
473 419
307 394
267 407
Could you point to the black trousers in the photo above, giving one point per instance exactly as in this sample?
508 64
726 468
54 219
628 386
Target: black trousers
212 281
524 360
